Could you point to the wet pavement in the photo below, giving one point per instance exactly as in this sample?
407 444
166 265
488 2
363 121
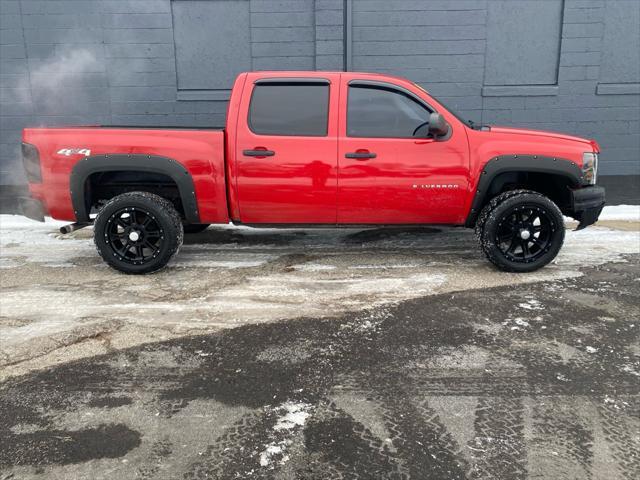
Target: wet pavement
527 380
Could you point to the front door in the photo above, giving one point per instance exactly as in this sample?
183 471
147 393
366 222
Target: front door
286 151
390 172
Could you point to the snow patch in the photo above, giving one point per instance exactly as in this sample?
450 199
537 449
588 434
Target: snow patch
21 228
621 212
292 416
270 452
631 370
296 415
519 322
24 240
383 267
596 246
531 305
314 267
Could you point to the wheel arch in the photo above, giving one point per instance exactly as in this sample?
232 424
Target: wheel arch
551 176
84 169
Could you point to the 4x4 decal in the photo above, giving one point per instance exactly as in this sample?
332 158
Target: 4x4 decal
67 152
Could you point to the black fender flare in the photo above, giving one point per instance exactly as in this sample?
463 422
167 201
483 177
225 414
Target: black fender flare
135 162
520 163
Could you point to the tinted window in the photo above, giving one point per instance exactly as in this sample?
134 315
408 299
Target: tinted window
378 112
289 109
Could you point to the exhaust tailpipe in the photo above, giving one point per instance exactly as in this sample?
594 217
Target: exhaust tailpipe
73 227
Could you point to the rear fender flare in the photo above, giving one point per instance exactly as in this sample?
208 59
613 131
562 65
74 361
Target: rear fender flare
141 163
520 163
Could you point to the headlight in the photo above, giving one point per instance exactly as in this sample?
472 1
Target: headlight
590 167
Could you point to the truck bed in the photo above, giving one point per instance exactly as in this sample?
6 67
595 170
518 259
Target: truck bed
199 151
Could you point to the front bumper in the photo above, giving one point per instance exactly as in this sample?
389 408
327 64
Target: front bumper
586 205
32 208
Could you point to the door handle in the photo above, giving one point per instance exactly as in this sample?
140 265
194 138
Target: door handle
360 155
258 153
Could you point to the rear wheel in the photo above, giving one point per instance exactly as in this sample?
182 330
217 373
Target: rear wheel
195 227
520 231
138 232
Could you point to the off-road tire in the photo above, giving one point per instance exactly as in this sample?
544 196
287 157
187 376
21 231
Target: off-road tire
494 214
195 227
164 216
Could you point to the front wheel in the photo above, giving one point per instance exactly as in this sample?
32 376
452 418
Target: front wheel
520 231
138 232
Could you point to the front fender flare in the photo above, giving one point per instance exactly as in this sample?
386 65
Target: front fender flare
134 162
520 163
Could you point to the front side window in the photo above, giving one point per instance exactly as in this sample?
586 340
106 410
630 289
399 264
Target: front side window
289 109
385 113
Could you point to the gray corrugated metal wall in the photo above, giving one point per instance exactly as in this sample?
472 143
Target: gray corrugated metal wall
567 65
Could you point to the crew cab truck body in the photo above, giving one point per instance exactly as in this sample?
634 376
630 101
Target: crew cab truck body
315 149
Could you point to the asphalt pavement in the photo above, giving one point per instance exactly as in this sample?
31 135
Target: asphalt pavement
535 380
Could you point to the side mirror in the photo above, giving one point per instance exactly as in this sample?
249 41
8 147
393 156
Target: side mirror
438 126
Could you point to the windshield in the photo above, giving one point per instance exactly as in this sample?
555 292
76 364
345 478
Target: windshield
470 123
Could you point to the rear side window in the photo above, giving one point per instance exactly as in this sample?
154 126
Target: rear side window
384 113
289 109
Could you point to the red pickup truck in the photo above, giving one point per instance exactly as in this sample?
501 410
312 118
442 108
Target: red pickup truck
315 149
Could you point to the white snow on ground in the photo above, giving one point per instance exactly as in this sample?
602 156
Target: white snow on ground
292 417
595 246
630 369
38 242
271 451
531 304
23 227
30 241
314 267
238 275
189 257
296 415
621 212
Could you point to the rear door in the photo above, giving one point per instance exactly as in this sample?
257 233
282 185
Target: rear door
390 170
286 149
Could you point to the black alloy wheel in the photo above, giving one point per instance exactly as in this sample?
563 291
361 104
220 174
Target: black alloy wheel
138 232
520 231
135 235
525 233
